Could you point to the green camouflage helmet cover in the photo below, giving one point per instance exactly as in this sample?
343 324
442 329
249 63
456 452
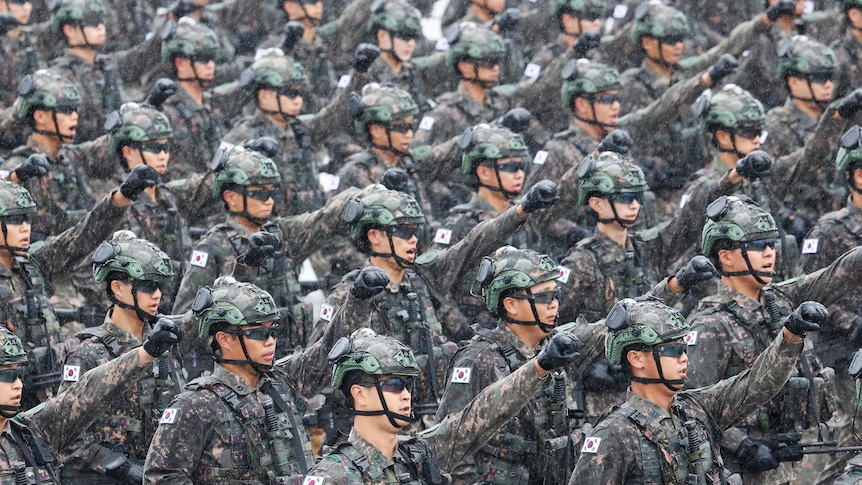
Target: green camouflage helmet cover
733 108
234 303
11 349
190 40
273 70
658 21
848 4
395 16
491 142
641 322
239 166
802 56
583 78
577 7
517 269
45 90
474 42
379 209
850 151
74 12
15 200
131 256
735 219
381 105
136 123
371 354
610 173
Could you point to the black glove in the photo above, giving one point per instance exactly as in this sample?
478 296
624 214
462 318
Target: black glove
164 334
806 318
782 8
541 195
261 246
184 7
163 89
698 269
370 282
293 31
264 145
851 104
507 19
364 56
517 120
754 165
140 178
562 349
617 141
8 22
723 67
755 456
396 179
35 166
587 41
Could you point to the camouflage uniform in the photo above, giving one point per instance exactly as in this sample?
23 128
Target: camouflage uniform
847 54
19 56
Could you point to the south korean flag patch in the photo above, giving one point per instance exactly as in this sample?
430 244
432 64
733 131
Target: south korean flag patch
443 236
312 480
691 338
809 246
461 375
169 416
199 259
564 275
326 312
71 373
591 445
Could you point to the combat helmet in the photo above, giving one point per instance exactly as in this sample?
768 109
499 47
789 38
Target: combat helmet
486 143
380 105
849 154
642 324
848 4
512 269
472 42
273 70
582 9
397 17
583 78
381 209
15 200
732 108
49 91
190 40
363 358
79 13
661 22
237 168
135 123
607 174
11 352
804 57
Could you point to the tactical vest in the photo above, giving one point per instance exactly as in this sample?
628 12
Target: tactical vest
265 440
38 459
416 467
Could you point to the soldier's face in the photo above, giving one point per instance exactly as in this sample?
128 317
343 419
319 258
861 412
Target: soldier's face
367 399
148 302
396 139
259 351
669 53
495 6
403 48
576 26
673 368
512 180
483 70
519 308
821 89
625 210
158 160
257 208
10 392
731 260
21 12
17 235
295 11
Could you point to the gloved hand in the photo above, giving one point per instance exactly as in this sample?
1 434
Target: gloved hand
8 22
617 141
184 7
851 104
396 179
364 56
117 466
723 67
163 89
35 166
517 120
293 31
165 333
264 145
562 349
755 456
754 165
140 178
261 246
507 19
370 282
806 318
698 269
587 41
782 8
541 195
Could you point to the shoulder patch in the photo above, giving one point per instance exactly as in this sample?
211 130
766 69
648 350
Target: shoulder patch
169 416
427 257
591 444
199 259
564 274
809 246
541 157
532 70
691 338
71 373
328 182
326 312
443 236
461 375
313 480
427 123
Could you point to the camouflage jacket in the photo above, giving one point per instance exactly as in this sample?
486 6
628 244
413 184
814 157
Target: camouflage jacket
218 430
524 450
457 436
848 53
197 133
410 79
640 442
789 129
566 149
456 111
757 72
18 57
642 85
315 57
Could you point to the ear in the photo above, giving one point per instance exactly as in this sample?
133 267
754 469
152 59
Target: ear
224 340
229 196
357 392
484 173
510 305
377 131
724 138
582 105
648 43
116 286
635 359
383 37
465 68
595 203
376 236
68 30
857 176
724 258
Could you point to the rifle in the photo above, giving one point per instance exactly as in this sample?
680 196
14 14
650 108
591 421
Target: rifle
88 315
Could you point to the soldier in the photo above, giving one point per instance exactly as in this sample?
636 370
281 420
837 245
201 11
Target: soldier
376 374
19 51
243 423
847 49
31 441
732 327
114 447
520 288
663 434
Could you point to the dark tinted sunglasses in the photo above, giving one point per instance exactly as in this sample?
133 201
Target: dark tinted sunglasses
512 167
488 62
11 375
406 36
820 77
671 39
147 286
18 2
92 22
401 127
154 147
749 133
606 98
403 232
393 384
627 198
261 334
66 110
262 195
203 58
673 351
589 16
291 92
758 245
16 220
542 297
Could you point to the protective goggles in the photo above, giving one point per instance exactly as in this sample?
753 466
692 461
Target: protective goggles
542 298
821 77
627 198
401 127
261 334
393 384
261 195
154 146
673 351
403 231
607 98
750 132
11 375
16 220
758 245
147 286
65 110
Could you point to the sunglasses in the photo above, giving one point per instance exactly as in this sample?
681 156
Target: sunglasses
589 16
606 98
16 220
758 245
511 167
292 92
673 351
671 39
749 133
393 384
406 36
261 195
147 286
403 232
627 198
92 22
203 58
66 110
542 298
261 334
488 63
18 2
154 147
401 127
11 375
820 77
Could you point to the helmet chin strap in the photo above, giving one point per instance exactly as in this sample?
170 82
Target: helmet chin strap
547 328
203 83
56 133
674 385
141 314
606 128
389 147
401 262
391 416
660 59
12 249
258 367
756 274
811 99
280 113
245 214
499 188
8 411
735 150
622 222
